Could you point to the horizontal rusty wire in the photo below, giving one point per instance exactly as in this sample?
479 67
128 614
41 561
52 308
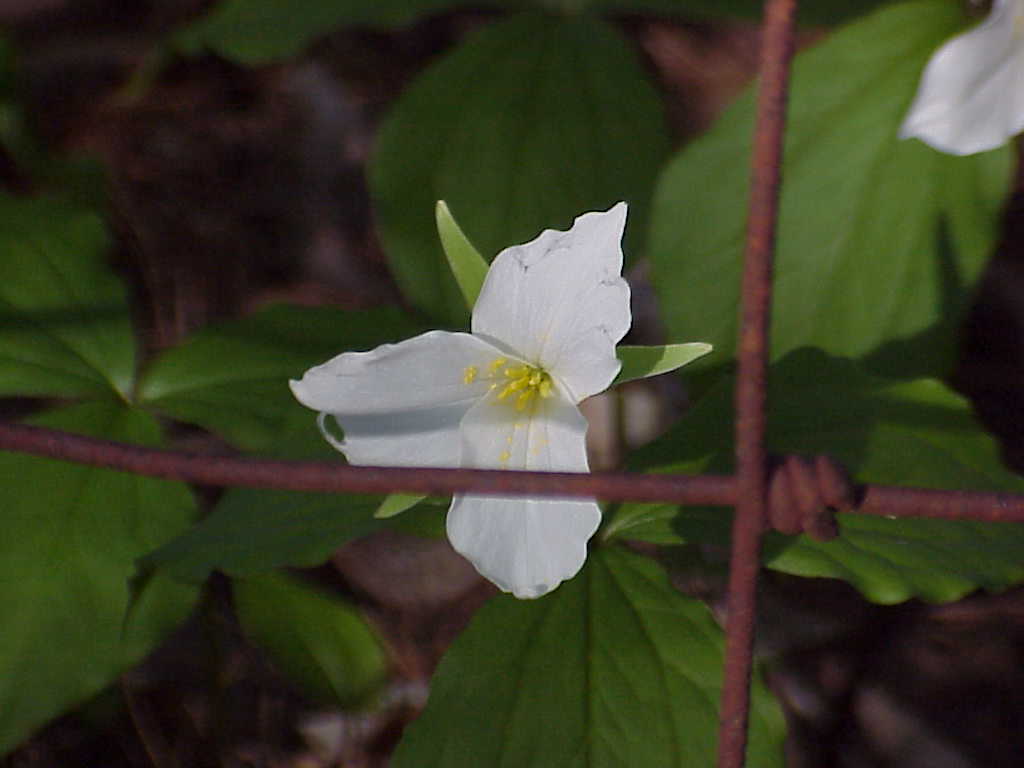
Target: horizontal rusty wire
335 477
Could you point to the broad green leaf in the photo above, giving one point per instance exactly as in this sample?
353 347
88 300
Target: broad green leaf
317 639
262 31
71 536
911 433
64 323
880 240
252 531
232 379
528 123
468 267
614 668
643 362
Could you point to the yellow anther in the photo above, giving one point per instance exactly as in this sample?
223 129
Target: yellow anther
513 386
469 375
524 399
504 457
527 380
519 372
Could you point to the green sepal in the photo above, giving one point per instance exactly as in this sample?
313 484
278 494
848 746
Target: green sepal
397 503
467 265
643 362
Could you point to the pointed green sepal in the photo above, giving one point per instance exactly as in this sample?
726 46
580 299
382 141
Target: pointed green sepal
466 263
397 503
642 362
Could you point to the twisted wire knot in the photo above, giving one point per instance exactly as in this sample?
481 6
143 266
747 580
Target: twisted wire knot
804 493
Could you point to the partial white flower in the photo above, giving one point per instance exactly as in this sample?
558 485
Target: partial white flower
971 96
544 331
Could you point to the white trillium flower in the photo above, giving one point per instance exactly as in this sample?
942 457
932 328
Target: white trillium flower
971 96
505 396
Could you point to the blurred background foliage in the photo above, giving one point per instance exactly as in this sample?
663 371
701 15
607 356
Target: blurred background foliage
202 199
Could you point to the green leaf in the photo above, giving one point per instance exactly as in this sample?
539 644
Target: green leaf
71 536
232 379
262 31
912 433
320 641
252 531
880 240
643 362
468 267
64 323
614 668
528 123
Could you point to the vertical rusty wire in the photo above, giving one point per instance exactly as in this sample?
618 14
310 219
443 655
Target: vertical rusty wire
752 379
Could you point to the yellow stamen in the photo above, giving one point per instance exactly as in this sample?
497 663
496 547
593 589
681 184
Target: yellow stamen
524 399
513 386
523 380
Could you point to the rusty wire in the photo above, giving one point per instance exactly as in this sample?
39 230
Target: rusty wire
332 477
751 518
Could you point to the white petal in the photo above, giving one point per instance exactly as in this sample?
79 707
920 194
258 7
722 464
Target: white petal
560 301
401 403
971 96
425 370
525 546
550 438
427 437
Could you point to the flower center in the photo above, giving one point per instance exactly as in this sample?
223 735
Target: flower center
518 384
